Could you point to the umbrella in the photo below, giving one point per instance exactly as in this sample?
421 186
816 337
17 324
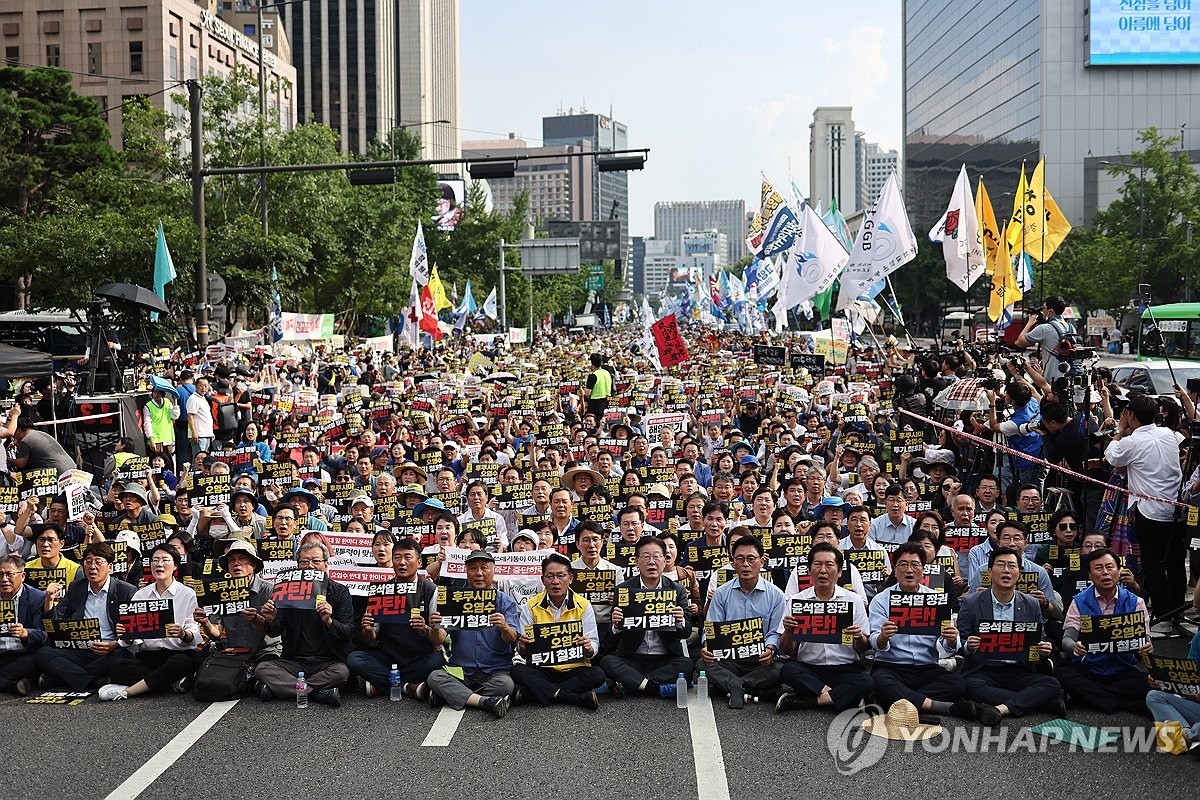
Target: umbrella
964 395
500 377
132 293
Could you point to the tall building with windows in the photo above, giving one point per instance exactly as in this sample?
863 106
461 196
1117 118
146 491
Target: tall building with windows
1071 80
559 187
832 171
674 218
873 165
117 52
428 85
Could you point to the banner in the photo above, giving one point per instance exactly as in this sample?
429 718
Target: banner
735 639
671 348
392 603
306 327
555 644
769 354
822 621
648 609
146 619
919 613
1113 634
469 609
299 588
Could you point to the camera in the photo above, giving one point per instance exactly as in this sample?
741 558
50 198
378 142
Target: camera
1193 385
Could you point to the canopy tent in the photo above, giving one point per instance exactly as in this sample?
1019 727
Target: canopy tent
17 362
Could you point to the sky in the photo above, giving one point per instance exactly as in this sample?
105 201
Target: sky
721 92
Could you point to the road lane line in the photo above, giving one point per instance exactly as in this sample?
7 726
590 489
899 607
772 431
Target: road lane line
139 781
443 727
711 782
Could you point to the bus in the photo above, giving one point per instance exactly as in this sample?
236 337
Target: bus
957 323
1171 330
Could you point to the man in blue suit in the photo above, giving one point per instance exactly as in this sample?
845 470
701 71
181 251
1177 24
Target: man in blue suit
21 631
1005 680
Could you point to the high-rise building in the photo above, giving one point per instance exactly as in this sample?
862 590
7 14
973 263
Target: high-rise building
558 187
637 264
1071 80
673 218
596 132
832 174
659 265
117 52
428 82
873 165
703 254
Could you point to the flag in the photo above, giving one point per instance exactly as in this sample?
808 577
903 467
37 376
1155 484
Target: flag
885 243
276 308
468 305
836 223
958 232
438 290
768 273
671 348
164 269
489 305
647 312
774 227
1043 225
429 320
1016 221
1005 291
410 333
815 261
989 233
418 262
822 302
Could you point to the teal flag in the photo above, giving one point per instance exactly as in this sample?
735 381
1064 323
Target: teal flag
164 269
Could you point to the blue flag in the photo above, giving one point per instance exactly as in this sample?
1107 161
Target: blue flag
164 269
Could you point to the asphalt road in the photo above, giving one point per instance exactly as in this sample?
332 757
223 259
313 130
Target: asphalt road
630 746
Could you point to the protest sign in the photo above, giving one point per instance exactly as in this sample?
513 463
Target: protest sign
1006 638
72 634
220 594
1113 634
735 639
919 613
469 609
299 588
146 619
822 621
595 585
555 644
648 609
392 602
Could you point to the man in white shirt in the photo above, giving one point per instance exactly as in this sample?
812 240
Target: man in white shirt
200 419
1148 454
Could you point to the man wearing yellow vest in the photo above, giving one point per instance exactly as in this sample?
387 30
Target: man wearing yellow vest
158 422
597 389
558 640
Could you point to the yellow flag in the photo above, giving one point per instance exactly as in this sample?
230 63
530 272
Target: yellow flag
988 232
1005 291
1045 225
1017 220
438 291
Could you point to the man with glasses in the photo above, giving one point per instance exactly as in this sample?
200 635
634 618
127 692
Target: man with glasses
51 571
283 523
314 640
751 596
896 525
647 660
1013 534
98 597
22 626
572 683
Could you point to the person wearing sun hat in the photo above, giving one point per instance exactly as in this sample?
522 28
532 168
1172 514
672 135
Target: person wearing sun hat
581 478
305 504
243 632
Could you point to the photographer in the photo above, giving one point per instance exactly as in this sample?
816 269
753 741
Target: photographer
1149 456
1044 330
1021 433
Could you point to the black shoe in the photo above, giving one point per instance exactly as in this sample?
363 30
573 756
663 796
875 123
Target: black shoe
496 706
929 719
328 697
265 694
518 697
24 687
737 699
793 702
988 715
588 700
965 709
1059 706
435 700
616 689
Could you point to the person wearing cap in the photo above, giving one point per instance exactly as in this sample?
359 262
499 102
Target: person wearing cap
305 504
25 632
242 515
484 655
414 646
906 665
412 495
573 683
362 509
99 597
158 663
831 508
645 660
578 479
314 640
242 633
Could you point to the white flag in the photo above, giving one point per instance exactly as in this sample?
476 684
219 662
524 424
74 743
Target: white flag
489 305
418 262
647 312
410 333
814 263
885 243
958 231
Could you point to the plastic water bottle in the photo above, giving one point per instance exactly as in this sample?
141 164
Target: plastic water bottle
394 681
301 691
681 691
702 687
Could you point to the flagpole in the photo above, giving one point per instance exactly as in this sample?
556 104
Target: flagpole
899 313
1042 224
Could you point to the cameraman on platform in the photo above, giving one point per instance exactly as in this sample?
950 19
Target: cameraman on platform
1044 330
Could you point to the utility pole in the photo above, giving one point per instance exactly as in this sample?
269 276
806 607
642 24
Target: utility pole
195 93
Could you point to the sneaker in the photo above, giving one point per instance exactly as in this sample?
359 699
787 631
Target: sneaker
666 690
181 686
113 691
24 687
588 700
369 689
793 702
435 700
417 691
496 706
328 697
265 694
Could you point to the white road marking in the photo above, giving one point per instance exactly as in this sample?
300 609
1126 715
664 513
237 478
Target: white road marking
711 782
139 781
443 727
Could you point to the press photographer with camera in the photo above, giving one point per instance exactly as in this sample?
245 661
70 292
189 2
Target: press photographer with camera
1044 330
1021 432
